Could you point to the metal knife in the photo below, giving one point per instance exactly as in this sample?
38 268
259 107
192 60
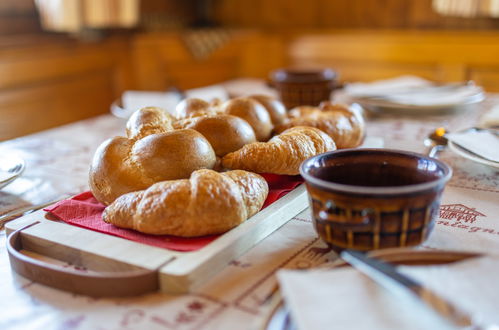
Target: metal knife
11 215
387 276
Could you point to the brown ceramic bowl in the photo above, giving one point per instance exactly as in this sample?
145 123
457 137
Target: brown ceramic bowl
303 87
369 199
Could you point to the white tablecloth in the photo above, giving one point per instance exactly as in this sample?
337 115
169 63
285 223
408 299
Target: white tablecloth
57 163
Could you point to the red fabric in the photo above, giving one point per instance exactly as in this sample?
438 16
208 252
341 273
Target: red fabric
85 211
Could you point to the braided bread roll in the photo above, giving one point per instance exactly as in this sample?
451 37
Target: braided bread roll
343 123
282 154
121 165
207 203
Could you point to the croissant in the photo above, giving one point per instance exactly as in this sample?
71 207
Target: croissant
282 154
121 165
207 203
344 124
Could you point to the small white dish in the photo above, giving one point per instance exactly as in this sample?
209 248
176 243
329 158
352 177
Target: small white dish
11 167
471 156
476 144
131 101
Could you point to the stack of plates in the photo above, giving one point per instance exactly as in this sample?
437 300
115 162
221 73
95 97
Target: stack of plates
410 93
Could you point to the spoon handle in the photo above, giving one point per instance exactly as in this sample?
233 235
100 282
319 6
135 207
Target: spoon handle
435 150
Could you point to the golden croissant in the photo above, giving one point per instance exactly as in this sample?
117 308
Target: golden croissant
207 203
344 124
282 154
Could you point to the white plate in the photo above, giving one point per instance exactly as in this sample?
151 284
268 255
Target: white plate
471 156
11 167
422 104
381 105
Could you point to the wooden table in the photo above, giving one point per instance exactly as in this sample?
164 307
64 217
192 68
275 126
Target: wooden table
57 163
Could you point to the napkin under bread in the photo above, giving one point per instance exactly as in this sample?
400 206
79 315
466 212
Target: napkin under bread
343 298
85 211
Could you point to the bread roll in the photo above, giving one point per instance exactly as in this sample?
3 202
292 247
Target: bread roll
253 112
192 107
147 121
274 107
122 165
207 203
225 133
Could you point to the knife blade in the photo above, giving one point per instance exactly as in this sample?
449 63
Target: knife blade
387 275
16 213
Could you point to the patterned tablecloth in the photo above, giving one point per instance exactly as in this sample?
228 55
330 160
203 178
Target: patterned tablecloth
57 163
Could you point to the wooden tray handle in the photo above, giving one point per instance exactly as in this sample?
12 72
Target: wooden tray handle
103 284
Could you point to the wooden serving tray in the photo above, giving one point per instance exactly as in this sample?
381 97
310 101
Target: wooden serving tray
113 266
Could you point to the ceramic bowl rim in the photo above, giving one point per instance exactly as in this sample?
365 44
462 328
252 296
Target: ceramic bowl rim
385 190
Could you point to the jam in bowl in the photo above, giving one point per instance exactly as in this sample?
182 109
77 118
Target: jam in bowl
369 199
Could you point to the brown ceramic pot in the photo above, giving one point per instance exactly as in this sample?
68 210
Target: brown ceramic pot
303 87
368 199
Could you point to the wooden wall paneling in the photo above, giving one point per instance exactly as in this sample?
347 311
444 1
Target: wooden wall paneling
18 17
363 13
341 14
162 60
146 61
487 76
33 76
286 14
352 71
29 109
39 63
260 54
367 55
49 84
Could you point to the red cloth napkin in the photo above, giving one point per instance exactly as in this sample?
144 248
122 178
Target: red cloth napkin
85 211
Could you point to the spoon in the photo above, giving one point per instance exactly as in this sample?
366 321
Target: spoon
436 142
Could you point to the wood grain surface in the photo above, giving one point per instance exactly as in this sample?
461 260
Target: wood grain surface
178 272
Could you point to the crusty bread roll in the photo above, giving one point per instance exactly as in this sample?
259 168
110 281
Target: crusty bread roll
121 165
190 107
343 123
225 133
147 121
274 107
253 112
194 107
283 154
207 203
